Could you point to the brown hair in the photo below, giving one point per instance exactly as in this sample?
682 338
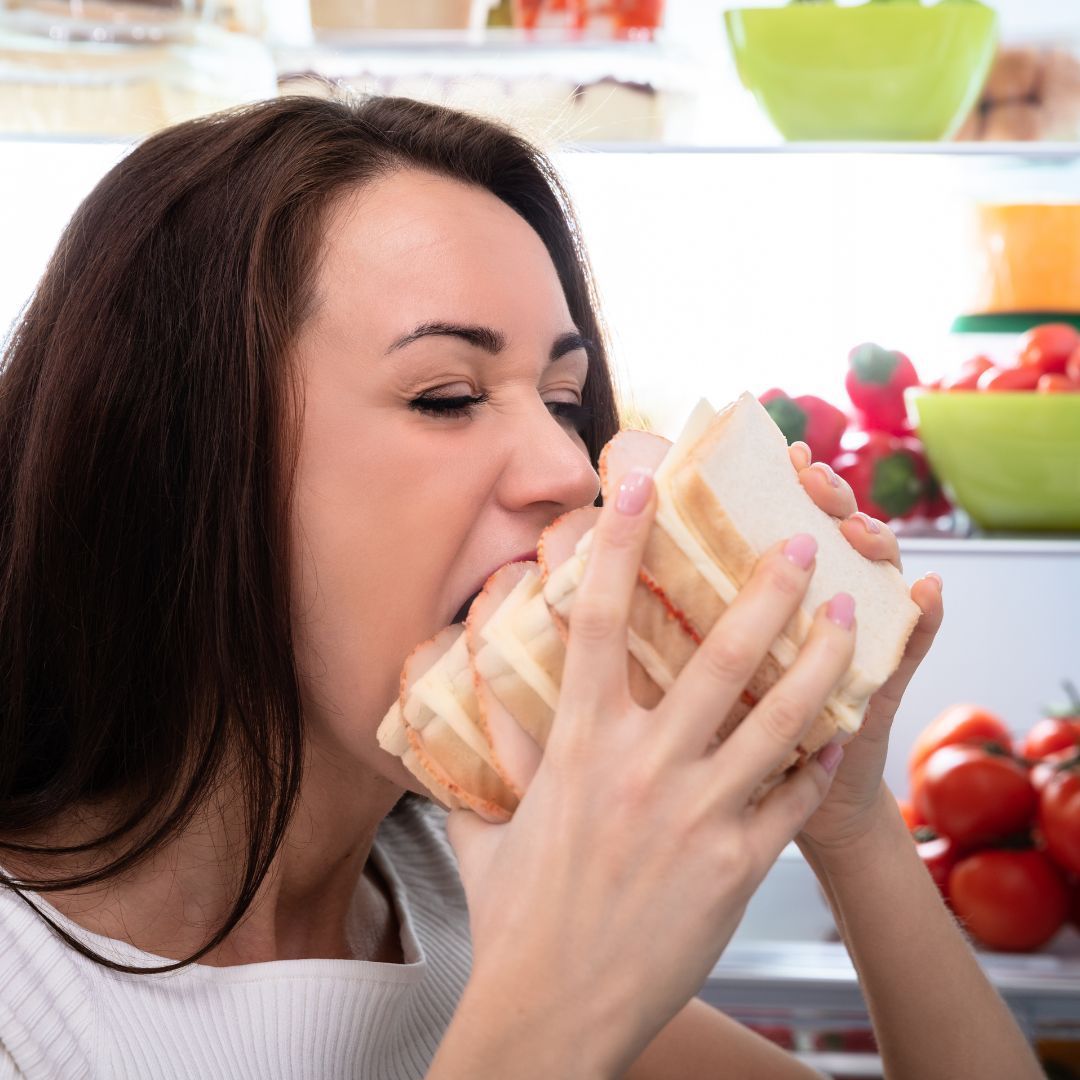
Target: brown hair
147 440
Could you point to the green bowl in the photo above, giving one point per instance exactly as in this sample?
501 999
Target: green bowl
1011 460
877 71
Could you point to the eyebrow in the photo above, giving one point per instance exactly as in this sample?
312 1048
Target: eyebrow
491 340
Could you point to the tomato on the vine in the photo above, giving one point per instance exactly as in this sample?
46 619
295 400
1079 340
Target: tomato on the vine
1010 900
1044 770
974 796
1059 818
962 723
1048 736
938 854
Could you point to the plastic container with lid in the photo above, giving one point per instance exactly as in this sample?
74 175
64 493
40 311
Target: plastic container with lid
105 68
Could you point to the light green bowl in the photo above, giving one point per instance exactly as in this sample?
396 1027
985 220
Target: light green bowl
1010 459
877 71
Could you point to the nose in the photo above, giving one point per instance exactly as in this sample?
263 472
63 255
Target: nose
547 464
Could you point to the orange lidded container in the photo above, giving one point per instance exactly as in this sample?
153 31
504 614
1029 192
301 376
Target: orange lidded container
1030 257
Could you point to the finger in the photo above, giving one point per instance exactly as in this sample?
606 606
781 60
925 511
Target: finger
594 678
832 493
800 455
781 815
771 732
872 538
707 688
926 592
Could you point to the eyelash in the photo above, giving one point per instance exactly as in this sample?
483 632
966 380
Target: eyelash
578 415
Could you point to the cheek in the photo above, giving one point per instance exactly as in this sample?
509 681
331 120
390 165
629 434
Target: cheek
376 535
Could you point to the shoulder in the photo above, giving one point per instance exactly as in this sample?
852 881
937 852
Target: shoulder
46 997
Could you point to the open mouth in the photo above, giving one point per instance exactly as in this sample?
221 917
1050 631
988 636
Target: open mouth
463 611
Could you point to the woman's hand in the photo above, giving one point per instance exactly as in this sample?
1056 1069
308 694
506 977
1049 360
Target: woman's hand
849 810
600 908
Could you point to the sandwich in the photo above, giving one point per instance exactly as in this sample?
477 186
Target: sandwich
726 492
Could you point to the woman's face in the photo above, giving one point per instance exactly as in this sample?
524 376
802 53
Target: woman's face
427 288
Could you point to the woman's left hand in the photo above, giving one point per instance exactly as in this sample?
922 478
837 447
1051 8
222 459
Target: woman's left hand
849 808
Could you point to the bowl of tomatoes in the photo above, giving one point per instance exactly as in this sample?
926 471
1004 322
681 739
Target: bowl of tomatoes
1004 438
997 822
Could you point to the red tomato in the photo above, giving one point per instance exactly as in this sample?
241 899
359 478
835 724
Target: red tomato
968 377
1050 764
909 813
974 797
1010 900
1059 819
961 723
1014 378
1056 384
1048 347
1072 366
780 1034
938 854
1049 735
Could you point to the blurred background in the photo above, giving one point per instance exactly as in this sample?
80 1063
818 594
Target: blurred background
867 213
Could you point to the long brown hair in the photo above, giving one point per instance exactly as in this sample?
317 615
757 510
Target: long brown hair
147 442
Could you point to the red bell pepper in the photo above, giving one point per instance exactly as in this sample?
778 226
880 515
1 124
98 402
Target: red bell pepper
875 382
807 419
889 474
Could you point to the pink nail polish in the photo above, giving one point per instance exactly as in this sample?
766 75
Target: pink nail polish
828 471
841 610
801 549
872 525
634 489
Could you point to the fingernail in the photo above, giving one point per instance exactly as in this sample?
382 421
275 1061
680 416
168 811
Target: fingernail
804 449
829 756
801 549
841 610
872 525
937 577
634 489
827 470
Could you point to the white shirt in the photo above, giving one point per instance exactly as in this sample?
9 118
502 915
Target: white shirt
63 1016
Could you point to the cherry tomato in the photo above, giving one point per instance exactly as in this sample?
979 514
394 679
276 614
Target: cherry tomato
1059 819
1044 770
974 797
1056 384
1048 347
968 376
1072 366
909 813
1049 735
938 854
961 723
1013 378
1009 900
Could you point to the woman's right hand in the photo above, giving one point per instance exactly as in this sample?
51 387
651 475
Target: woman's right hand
626 868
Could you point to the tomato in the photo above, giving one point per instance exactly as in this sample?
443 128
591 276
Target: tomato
938 854
975 797
1072 366
962 723
1050 735
1056 384
1048 347
1013 378
1051 764
846 1041
1059 819
1010 900
968 377
780 1034
909 813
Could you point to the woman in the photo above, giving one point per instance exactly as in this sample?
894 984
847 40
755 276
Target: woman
296 380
